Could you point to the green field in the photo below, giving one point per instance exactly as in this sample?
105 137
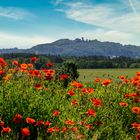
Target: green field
88 75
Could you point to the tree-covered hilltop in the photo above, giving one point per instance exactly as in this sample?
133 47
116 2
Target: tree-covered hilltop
81 62
80 48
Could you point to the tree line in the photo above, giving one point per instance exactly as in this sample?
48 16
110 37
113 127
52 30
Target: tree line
85 62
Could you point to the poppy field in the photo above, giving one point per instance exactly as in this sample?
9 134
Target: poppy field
39 105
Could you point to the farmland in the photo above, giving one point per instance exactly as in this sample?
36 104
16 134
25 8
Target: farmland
41 105
88 75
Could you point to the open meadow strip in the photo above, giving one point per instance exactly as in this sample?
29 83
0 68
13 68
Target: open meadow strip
42 105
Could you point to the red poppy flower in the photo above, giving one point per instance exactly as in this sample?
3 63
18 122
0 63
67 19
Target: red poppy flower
138 136
91 112
74 102
38 86
89 126
25 132
106 82
122 77
74 129
124 104
52 129
70 122
39 123
17 119
96 102
15 62
6 129
49 64
71 92
56 113
97 80
23 66
136 110
1 72
33 59
64 77
135 125
76 84
47 123
3 62
1 123
64 129
30 120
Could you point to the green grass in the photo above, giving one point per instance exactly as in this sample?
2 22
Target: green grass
88 75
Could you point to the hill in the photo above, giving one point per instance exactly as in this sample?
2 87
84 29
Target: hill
81 47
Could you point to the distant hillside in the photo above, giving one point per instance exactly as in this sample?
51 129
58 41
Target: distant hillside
81 47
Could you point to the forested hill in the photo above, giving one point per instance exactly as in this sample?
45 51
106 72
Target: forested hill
81 47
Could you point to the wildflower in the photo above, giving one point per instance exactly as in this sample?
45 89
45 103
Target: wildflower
25 132
17 119
56 113
64 129
3 62
138 136
15 62
74 129
23 66
74 102
80 136
30 120
137 100
124 104
106 82
70 122
47 123
135 110
1 72
91 112
38 86
96 102
6 129
52 129
30 65
122 77
89 126
135 125
39 123
87 90
7 77
33 59
97 80
49 64
71 92
1 123
138 73
64 77
76 84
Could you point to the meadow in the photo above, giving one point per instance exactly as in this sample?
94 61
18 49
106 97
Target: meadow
87 75
42 105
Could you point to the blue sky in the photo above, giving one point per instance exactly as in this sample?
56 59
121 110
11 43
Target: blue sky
25 23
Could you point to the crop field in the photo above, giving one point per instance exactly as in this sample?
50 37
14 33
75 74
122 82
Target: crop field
88 75
46 105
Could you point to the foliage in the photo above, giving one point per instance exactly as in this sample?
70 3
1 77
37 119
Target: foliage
35 105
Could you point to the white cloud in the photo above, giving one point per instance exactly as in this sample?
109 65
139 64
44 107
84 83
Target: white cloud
15 13
113 36
119 17
11 40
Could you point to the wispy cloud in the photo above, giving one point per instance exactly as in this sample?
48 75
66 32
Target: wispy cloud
117 16
8 40
112 35
15 13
